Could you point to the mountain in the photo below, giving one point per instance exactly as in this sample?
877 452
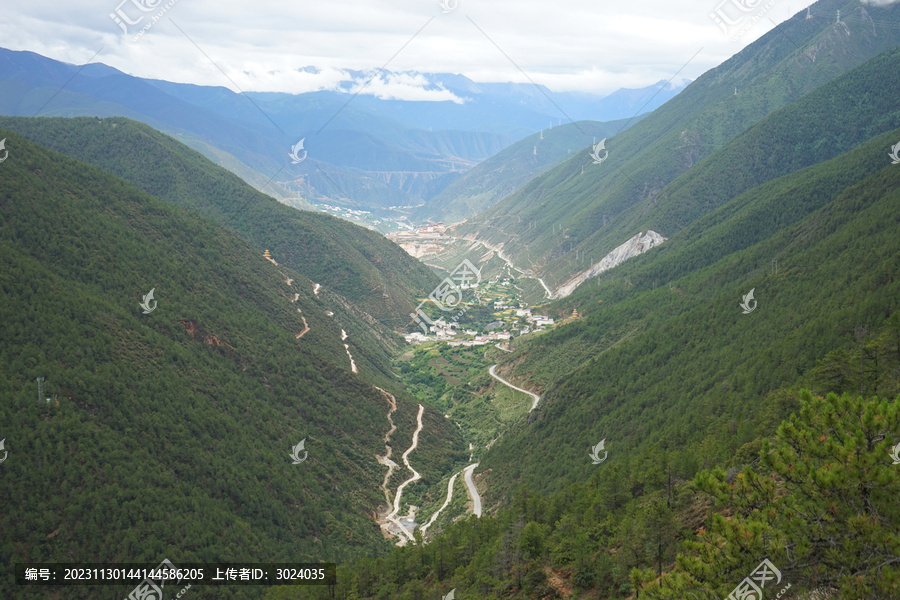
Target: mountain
500 175
359 151
688 364
168 430
807 132
725 400
675 378
372 145
592 214
360 265
717 360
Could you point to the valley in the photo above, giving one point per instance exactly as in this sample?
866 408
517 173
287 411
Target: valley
412 323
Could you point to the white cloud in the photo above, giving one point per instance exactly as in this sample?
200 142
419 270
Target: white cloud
260 45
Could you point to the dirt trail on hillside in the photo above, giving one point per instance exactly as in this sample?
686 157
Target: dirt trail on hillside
347 348
473 492
386 459
505 382
304 330
499 252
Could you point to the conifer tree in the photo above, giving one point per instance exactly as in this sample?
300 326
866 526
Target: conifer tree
824 508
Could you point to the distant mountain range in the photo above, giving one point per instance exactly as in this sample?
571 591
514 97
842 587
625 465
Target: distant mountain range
502 174
360 150
515 109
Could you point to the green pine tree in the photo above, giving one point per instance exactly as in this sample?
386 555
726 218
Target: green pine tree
824 508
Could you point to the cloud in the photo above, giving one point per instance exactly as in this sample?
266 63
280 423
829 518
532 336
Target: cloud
405 86
265 44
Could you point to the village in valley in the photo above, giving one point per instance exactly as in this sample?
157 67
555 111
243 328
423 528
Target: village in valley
492 315
488 308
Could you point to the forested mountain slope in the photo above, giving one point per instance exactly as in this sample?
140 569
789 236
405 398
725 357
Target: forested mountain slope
678 377
168 434
361 265
674 362
825 123
568 212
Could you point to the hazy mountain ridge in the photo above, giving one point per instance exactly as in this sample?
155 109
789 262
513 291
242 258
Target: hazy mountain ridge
352 149
513 109
500 175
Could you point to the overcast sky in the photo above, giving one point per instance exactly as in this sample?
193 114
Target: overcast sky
259 45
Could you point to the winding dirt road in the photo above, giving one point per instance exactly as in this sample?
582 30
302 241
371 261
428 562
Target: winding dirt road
415 477
406 534
473 493
445 505
386 459
499 252
505 382
347 348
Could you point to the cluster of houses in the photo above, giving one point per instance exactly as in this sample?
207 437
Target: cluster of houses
448 330
538 321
